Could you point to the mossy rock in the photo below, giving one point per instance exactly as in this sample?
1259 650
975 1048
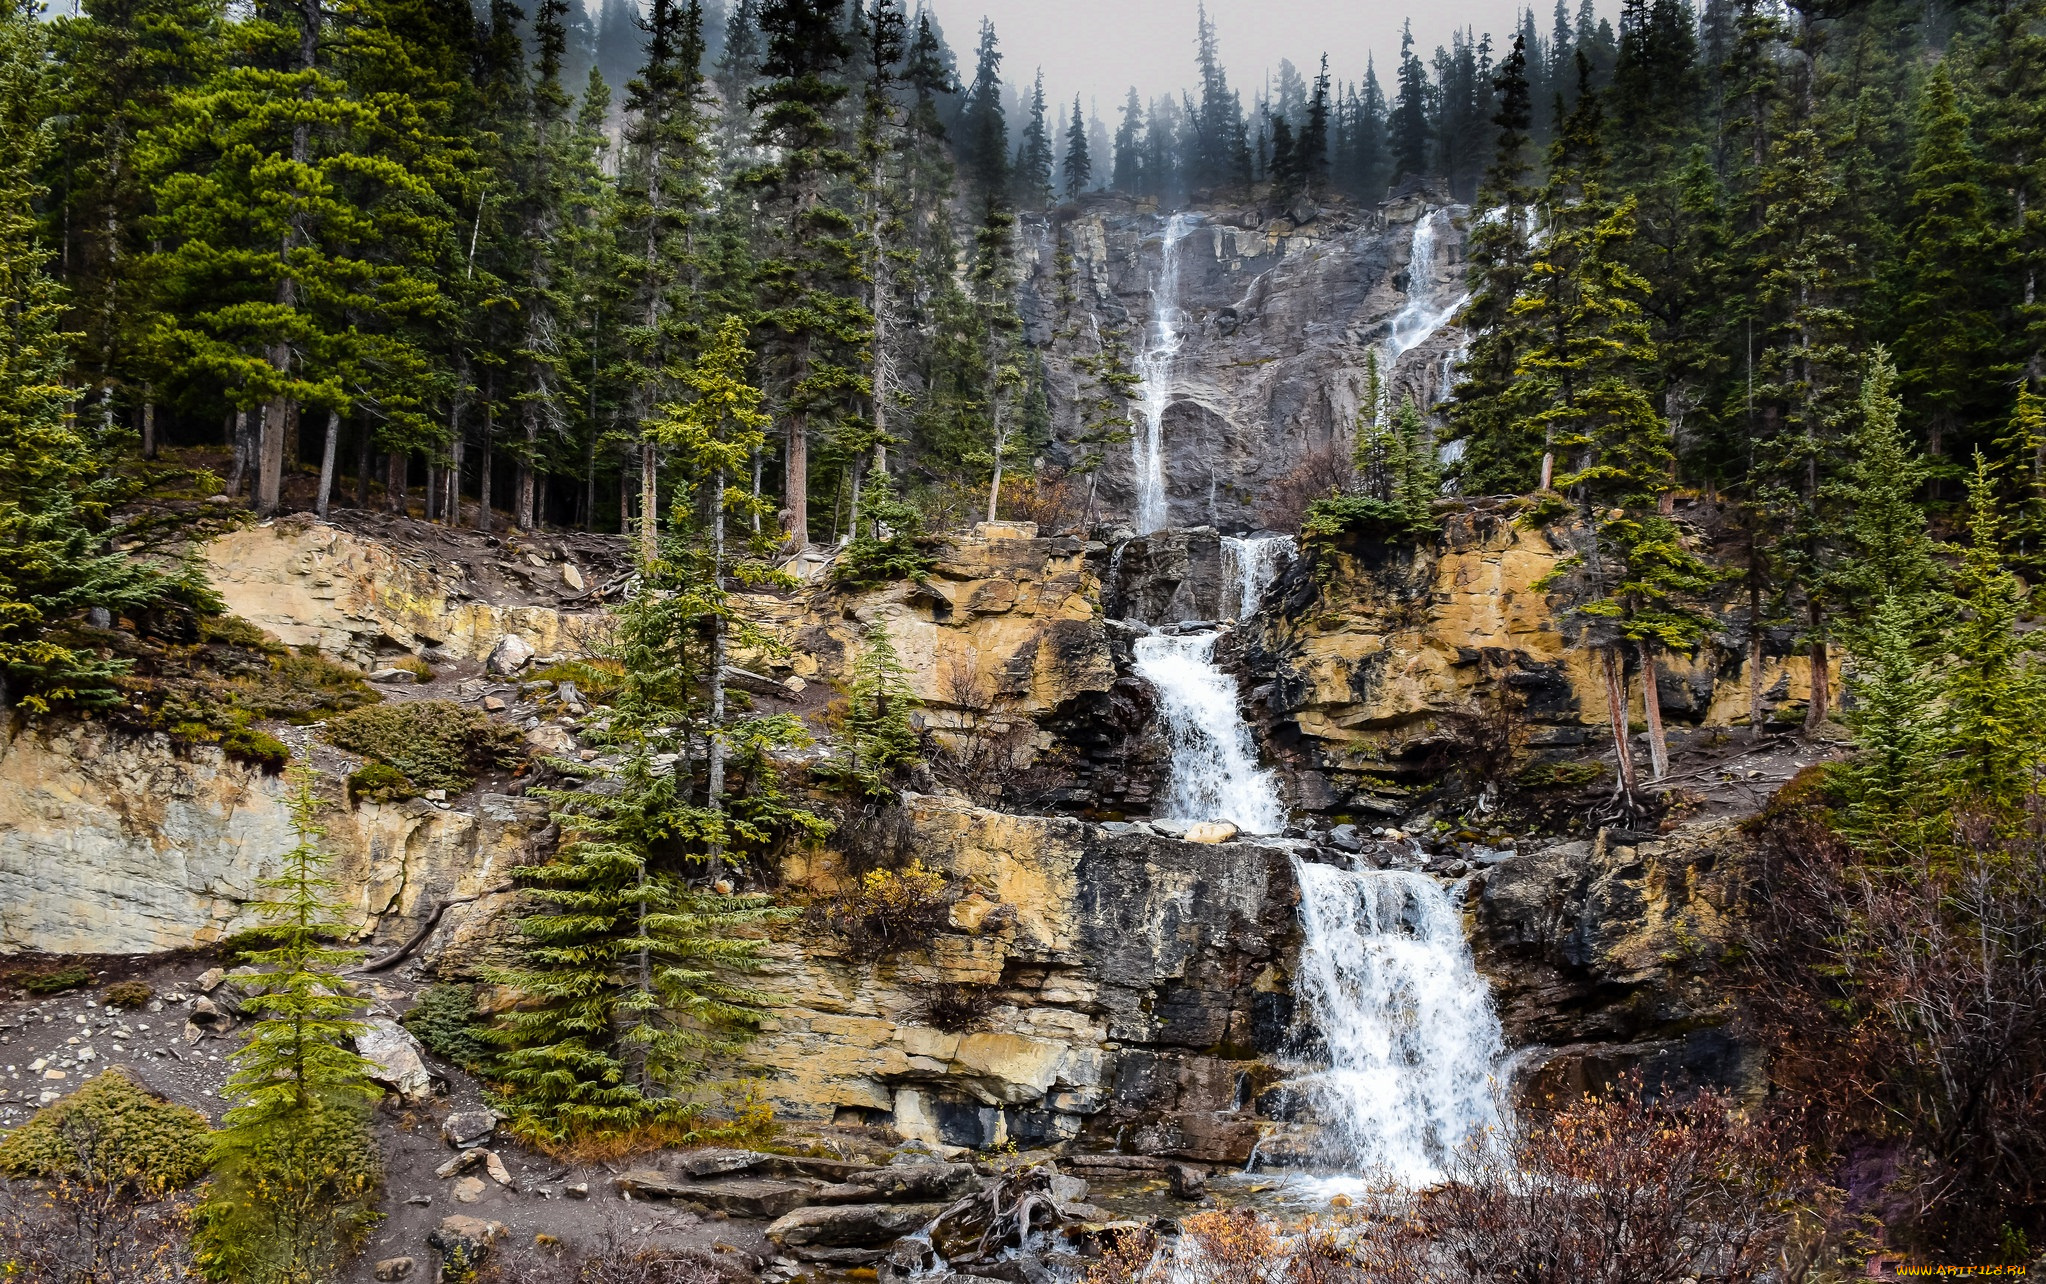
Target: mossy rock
111 1128
431 744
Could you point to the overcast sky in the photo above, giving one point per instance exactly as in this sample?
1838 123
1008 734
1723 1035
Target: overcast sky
1100 48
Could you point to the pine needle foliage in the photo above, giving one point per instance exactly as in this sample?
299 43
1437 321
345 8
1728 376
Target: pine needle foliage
295 1165
878 735
59 491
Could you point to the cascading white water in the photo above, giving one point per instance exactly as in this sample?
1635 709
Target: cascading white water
1215 775
1412 1041
1154 369
1424 312
1250 565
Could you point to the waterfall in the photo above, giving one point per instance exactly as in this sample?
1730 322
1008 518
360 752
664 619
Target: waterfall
1154 369
1412 1042
1215 775
1424 311
1250 565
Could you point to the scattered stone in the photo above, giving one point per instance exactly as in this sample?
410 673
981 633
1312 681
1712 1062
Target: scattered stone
1069 1190
459 1164
1171 828
908 1182
1347 838
495 1167
511 654
1210 831
533 689
1188 1182
435 795
395 1058
395 677
580 1190
420 1201
466 1128
468 1190
850 1225
463 1242
395 1268
211 977
493 704
571 576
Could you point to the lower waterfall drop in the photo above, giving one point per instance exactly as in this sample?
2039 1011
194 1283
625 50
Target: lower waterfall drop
1215 775
1412 1043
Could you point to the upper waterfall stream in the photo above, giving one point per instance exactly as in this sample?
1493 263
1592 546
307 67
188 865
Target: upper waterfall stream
1162 340
1215 775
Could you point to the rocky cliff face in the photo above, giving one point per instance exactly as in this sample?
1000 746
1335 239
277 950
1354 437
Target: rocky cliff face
113 844
1384 671
1603 956
1131 983
1281 324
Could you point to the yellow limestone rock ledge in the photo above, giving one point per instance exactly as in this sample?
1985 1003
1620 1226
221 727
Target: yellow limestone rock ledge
115 844
1401 646
307 582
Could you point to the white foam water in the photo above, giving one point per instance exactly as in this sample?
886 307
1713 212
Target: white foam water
1425 311
1162 340
1215 774
1249 565
1412 1044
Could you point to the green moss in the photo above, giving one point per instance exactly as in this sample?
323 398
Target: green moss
112 1128
1559 775
258 748
431 744
598 680
55 982
445 1019
380 782
130 994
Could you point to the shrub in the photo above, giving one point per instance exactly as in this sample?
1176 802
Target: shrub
130 994
887 909
1614 1187
598 680
380 782
111 1130
57 980
955 1006
432 744
290 1198
445 1019
257 748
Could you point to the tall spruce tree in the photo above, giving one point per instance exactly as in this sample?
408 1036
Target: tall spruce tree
1077 166
809 301
60 491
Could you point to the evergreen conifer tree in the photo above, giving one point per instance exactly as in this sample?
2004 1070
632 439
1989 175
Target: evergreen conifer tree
59 490
295 1166
1077 166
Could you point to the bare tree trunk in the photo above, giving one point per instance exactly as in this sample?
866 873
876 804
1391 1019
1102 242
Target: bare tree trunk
756 492
327 462
1822 690
522 505
365 459
396 490
451 506
149 430
238 471
649 535
1651 706
795 480
484 469
1616 710
1755 653
625 500
432 493
715 776
270 441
